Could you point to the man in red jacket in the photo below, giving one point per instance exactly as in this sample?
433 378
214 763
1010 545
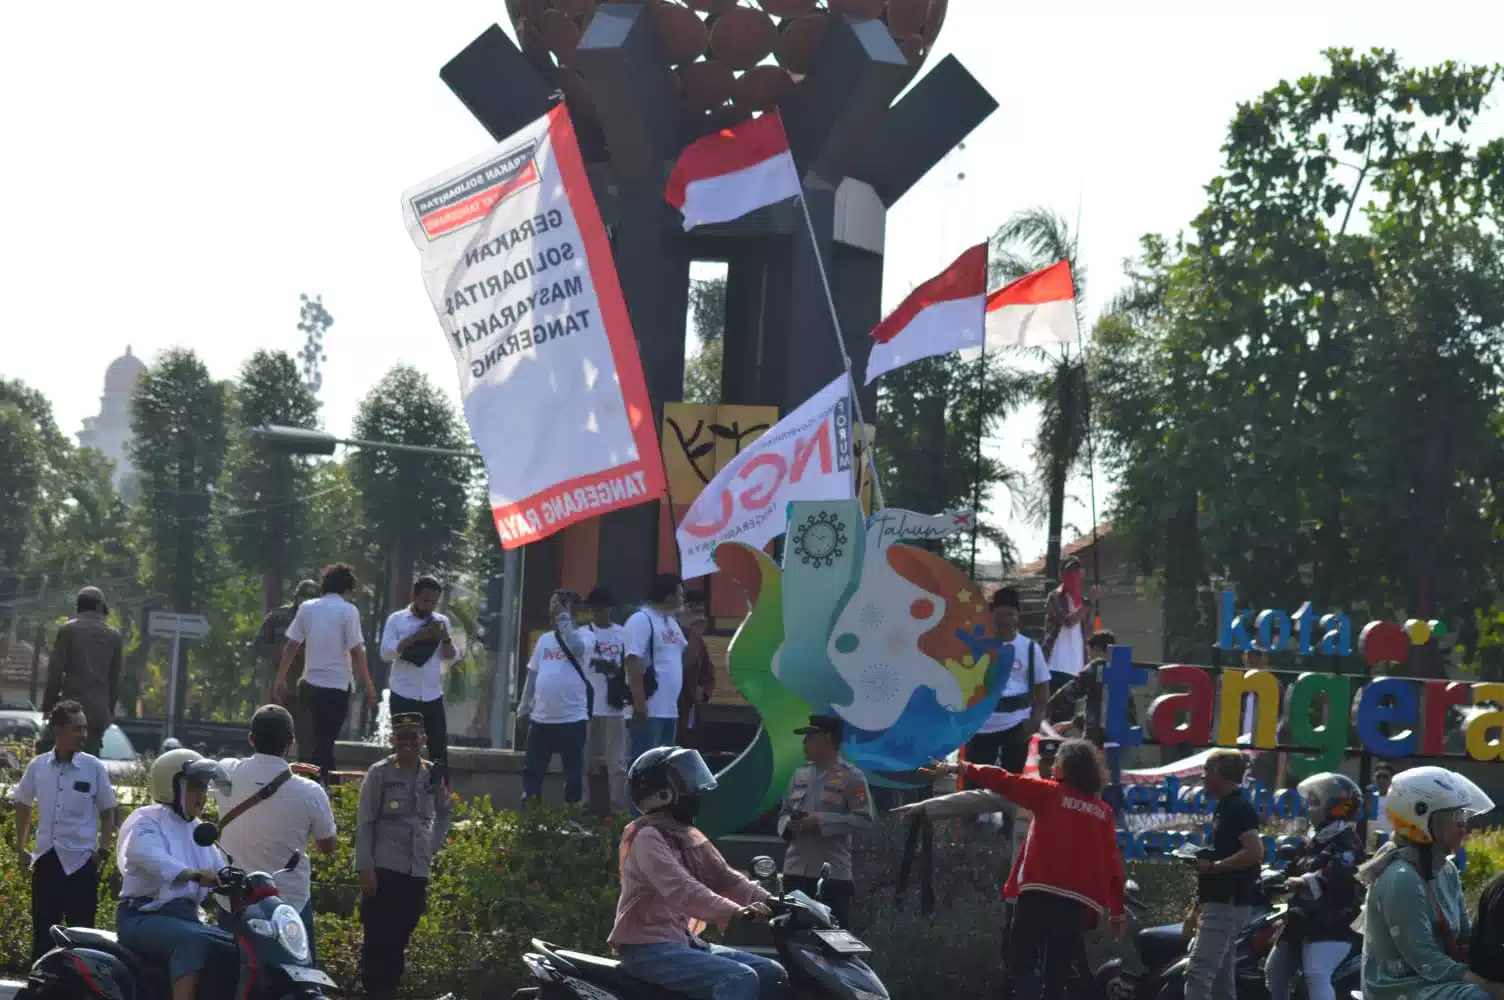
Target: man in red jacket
1068 873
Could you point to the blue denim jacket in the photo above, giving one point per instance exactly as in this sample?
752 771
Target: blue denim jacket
1403 956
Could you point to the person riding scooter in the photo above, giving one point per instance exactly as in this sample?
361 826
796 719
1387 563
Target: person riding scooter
1415 920
165 875
1318 932
674 882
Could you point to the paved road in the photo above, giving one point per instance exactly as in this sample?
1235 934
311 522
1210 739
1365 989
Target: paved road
8 988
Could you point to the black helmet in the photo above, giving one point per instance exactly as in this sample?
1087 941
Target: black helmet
669 778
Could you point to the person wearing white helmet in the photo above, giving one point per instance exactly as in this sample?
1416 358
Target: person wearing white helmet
1318 932
1415 922
165 875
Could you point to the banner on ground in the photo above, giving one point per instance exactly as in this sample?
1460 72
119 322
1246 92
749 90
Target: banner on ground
805 456
520 272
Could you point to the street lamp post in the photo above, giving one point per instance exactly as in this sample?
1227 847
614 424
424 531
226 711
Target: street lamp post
302 441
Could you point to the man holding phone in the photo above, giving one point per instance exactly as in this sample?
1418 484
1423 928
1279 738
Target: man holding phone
418 644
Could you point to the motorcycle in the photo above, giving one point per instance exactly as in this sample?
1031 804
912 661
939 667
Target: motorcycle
1257 940
823 961
271 958
1158 949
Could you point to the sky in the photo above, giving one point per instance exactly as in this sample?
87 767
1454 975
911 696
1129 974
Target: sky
179 173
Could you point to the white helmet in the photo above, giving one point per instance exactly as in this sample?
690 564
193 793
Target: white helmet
175 767
1419 793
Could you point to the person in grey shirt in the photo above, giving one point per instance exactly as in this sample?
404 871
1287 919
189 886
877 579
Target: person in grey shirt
826 803
402 821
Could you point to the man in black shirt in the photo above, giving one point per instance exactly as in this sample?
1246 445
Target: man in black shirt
1227 886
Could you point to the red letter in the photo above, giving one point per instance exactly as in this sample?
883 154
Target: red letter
1440 696
804 449
1197 701
709 530
755 499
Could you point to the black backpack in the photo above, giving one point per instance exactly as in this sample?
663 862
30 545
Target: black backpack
618 691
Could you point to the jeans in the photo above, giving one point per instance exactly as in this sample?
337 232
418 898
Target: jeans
1209 973
56 898
1047 947
713 972
544 739
646 734
326 708
435 723
1319 959
173 934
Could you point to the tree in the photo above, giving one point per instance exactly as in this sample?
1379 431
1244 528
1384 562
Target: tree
707 312
313 322
22 459
1332 341
416 506
929 416
702 373
179 419
265 511
1027 242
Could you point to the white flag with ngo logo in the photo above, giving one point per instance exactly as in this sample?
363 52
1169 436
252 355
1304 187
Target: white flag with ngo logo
805 456
520 272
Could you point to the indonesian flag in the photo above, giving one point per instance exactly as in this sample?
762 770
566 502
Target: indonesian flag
730 173
1037 310
942 315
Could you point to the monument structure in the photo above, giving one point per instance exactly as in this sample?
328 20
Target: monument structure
643 80
110 430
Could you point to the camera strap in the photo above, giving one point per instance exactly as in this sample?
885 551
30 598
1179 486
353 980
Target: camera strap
263 793
589 690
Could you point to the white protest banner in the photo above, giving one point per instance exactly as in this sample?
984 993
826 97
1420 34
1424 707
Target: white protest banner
520 271
805 456
893 524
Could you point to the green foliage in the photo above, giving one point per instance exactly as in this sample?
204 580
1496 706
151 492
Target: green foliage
926 447
707 309
20 488
1315 373
266 518
179 417
416 506
702 372
313 322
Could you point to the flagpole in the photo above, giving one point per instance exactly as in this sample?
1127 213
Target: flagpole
1091 465
976 495
835 319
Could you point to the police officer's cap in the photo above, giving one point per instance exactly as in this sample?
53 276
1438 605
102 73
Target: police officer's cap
830 725
407 722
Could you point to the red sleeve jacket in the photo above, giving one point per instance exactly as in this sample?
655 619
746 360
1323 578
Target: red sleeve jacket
1072 846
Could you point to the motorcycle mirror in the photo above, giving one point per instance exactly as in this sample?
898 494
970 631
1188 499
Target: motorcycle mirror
763 867
205 834
294 861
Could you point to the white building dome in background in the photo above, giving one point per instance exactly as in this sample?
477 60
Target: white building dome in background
110 431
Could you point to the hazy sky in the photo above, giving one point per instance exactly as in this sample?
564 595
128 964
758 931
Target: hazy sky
177 173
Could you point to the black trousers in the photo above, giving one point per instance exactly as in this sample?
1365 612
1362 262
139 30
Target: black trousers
1046 957
56 898
838 894
1008 749
326 708
435 724
389 918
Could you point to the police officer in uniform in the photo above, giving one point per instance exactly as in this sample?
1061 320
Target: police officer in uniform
402 821
826 803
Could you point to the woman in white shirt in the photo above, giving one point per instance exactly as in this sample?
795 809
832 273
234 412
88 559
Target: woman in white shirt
165 876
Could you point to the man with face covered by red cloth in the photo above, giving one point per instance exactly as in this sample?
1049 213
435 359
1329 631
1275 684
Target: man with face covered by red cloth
1065 631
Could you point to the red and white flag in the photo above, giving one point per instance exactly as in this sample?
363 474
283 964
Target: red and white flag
730 173
942 315
1037 310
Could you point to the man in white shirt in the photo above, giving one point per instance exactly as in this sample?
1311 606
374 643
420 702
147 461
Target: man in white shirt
328 632
74 804
606 747
1004 738
655 667
556 701
1065 611
262 829
418 644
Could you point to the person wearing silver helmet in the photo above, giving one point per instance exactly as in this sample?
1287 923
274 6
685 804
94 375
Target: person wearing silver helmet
1318 932
1415 920
166 875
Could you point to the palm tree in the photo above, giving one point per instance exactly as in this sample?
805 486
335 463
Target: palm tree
1028 241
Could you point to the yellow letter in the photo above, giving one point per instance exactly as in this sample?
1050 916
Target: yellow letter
1479 746
1264 687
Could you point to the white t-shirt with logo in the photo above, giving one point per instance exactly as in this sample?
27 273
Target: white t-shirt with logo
558 694
668 645
328 628
1019 683
603 642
